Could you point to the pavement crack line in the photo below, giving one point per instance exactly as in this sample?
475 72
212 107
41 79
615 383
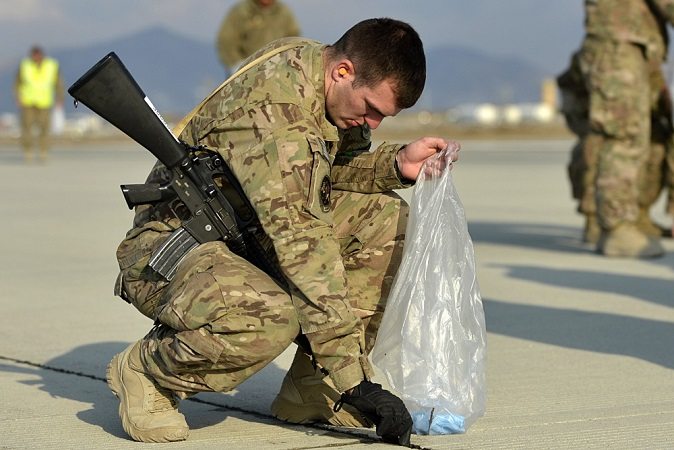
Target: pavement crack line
315 426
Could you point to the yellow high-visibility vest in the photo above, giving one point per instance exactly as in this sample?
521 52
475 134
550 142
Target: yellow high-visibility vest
38 83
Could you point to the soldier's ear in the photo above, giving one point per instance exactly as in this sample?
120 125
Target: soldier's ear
343 70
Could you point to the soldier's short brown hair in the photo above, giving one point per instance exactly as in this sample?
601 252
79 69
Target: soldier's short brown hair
383 49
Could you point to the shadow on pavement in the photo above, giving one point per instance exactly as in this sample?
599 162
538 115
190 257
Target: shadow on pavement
80 375
539 236
565 239
654 290
645 339
648 340
15 159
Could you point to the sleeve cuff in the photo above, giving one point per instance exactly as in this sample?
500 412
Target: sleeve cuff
351 375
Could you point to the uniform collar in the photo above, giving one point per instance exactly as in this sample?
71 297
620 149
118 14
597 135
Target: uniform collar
329 131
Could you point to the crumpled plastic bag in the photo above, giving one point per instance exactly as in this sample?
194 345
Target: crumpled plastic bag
431 344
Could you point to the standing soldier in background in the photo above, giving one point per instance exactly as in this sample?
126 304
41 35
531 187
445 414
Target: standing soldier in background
582 167
38 87
251 24
624 41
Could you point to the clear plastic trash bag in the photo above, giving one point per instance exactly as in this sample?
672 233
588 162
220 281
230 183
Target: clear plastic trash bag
431 344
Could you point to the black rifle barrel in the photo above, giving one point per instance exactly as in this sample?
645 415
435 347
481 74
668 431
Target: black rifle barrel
109 90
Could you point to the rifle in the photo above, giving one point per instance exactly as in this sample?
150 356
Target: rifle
215 213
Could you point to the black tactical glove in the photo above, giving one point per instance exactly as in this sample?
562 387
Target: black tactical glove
384 409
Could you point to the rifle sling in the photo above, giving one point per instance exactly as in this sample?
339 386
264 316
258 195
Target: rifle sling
185 120
166 258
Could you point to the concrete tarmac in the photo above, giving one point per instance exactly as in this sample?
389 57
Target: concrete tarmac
580 347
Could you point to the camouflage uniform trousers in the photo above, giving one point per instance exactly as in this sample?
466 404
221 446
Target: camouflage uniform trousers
35 119
618 81
582 167
221 320
582 171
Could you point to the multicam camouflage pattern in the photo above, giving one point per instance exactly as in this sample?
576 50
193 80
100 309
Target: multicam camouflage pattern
582 167
669 180
653 179
325 201
625 39
574 97
640 22
574 108
221 320
247 27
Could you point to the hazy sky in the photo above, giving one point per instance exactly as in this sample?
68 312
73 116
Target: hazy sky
541 31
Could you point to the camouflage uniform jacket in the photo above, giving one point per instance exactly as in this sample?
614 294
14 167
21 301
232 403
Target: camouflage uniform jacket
642 22
247 27
269 123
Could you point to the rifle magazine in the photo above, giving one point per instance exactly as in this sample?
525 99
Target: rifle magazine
166 258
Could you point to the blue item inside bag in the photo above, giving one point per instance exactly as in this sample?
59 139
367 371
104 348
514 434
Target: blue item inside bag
425 422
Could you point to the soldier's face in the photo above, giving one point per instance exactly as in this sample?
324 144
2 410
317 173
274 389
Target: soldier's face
348 107
37 57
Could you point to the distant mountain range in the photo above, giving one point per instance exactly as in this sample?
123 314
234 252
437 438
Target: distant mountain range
176 72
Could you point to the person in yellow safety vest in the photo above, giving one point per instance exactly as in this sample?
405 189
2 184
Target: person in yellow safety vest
38 88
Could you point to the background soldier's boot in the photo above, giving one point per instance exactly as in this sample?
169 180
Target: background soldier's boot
646 224
307 396
628 240
148 411
592 230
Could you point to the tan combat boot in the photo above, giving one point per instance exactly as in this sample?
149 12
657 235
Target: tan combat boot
646 224
628 241
148 411
592 230
308 396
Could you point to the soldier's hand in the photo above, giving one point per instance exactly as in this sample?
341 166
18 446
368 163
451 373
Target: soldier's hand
411 158
384 409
